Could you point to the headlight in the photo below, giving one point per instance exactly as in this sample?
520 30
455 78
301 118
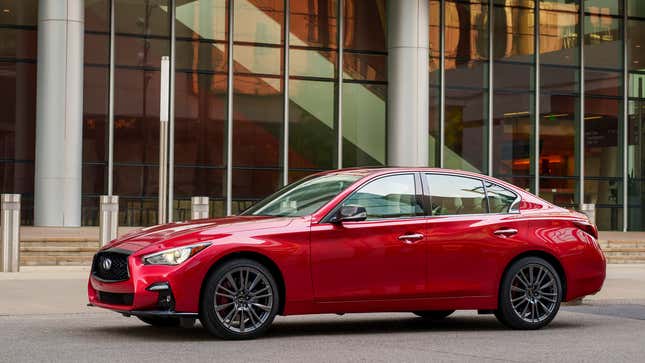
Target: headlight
174 256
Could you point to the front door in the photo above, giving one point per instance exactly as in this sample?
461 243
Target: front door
383 257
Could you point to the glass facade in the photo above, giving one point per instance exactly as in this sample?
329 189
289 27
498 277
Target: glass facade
548 95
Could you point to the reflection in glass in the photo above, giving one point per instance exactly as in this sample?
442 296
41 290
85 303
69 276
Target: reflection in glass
513 33
559 40
466 33
452 195
142 18
603 36
365 25
364 126
603 161
636 159
313 23
312 126
465 129
259 21
636 44
558 145
513 135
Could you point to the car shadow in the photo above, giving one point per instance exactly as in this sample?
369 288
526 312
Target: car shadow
282 328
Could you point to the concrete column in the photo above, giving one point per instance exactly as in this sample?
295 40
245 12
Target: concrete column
408 84
9 232
59 113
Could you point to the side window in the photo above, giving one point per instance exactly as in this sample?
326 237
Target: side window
451 194
501 200
388 197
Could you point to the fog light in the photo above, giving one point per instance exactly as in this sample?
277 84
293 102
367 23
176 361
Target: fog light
165 300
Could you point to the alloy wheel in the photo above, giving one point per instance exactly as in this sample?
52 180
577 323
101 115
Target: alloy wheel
243 299
534 293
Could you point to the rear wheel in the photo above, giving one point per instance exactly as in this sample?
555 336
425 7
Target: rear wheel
240 300
530 294
433 314
159 321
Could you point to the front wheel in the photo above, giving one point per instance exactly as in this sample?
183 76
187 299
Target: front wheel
433 314
530 294
240 300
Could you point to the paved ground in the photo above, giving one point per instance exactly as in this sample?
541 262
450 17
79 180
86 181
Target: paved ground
43 318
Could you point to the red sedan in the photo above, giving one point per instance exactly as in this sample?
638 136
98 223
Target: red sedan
427 241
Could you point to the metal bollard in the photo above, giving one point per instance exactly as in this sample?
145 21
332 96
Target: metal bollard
109 220
590 211
10 235
199 207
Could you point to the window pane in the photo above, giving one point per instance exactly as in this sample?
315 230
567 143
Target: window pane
513 134
603 36
605 7
501 200
312 127
636 163
313 23
466 114
513 33
364 128
388 197
23 12
143 18
452 195
636 44
466 33
205 19
559 39
558 148
259 21
636 8
365 25
312 63
18 43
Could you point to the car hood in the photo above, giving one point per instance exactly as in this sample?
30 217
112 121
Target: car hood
181 233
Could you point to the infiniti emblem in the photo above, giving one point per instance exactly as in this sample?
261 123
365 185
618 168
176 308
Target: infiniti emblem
106 264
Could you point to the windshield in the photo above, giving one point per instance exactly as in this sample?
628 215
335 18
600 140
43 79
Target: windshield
304 197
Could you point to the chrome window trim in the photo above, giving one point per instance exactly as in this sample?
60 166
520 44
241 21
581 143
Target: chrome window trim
517 201
418 191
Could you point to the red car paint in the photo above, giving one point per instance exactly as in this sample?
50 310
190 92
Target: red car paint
363 266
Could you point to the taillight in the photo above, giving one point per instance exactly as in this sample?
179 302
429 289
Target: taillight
587 227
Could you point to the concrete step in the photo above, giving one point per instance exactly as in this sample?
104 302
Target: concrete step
57 253
64 244
67 260
626 259
621 244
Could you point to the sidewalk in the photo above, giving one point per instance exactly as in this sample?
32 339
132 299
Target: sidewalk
56 289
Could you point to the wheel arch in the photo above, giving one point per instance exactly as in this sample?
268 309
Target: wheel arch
557 265
255 256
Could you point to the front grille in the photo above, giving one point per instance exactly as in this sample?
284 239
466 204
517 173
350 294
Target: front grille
110 266
114 298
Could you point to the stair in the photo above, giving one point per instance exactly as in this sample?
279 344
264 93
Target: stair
54 246
624 251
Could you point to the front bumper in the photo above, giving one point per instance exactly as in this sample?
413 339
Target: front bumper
149 290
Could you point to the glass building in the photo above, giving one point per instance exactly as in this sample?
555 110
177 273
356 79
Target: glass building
548 95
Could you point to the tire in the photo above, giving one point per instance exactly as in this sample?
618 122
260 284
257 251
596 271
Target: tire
159 321
530 294
240 300
433 314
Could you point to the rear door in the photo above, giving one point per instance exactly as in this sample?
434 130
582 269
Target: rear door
470 234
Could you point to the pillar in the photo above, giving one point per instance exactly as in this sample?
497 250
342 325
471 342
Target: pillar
408 84
59 113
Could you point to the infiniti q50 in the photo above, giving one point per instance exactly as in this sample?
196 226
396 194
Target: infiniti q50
418 240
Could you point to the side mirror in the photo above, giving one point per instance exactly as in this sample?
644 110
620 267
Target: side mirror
350 213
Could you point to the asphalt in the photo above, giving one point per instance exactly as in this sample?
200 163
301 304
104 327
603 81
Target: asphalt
43 318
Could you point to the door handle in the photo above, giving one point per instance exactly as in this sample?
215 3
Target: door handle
506 232
410 238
